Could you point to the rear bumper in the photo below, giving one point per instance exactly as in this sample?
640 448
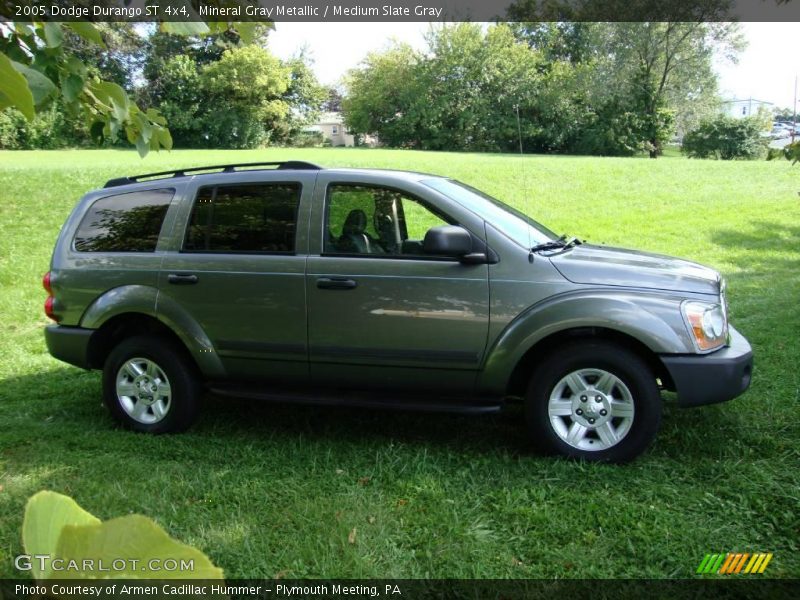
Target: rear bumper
69 344
710 378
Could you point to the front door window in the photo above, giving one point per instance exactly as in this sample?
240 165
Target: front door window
376 221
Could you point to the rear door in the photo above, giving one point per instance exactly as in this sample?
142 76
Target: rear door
238 269
382 314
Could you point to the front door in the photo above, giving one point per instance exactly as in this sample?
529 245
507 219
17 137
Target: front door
240 274
382 313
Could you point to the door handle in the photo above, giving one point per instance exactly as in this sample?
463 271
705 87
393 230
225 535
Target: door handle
336 283
182 279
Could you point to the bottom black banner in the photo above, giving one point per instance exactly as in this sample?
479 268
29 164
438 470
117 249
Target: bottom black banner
500 589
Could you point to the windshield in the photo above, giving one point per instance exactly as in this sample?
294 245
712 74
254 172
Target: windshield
516 225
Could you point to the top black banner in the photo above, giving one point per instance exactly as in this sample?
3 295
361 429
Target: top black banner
189 11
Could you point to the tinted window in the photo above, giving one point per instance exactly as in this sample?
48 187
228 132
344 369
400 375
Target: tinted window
124 223
377 221
244 218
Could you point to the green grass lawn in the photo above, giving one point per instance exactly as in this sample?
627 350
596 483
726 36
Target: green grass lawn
277 490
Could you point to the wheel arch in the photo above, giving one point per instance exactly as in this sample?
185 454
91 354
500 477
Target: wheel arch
119 311
649 323
520 375
123 326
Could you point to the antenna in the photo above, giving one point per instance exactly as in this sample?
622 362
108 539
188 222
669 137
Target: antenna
525 180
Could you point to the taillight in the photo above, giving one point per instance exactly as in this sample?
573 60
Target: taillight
50 303
46 283
48 308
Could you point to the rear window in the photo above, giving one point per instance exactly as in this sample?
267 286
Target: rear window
244 218
124 222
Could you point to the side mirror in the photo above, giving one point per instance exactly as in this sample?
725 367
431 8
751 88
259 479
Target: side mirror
447 240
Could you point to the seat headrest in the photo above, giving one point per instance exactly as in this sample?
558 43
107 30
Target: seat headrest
355 223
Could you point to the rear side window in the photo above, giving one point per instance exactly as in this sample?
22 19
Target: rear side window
244 218
124 222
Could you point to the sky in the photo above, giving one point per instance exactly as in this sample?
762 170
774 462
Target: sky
766 69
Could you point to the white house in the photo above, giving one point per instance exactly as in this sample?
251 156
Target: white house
743 108
331 126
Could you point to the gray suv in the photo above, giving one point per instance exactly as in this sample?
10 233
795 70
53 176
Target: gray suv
287 281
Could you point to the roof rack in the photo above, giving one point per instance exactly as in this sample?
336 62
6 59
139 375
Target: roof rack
285 165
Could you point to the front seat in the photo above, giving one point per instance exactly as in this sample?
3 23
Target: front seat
354 236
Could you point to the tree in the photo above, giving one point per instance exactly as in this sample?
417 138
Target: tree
460 94
118 60
180 99
660 71
668 67
251 84
654 59
333 101
575 42
599 88
266 100
383 96
35 68
304 96
161 46
475 82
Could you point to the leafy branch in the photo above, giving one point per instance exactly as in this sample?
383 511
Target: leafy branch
35 69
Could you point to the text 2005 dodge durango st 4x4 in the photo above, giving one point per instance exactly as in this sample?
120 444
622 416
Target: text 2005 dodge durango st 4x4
352 286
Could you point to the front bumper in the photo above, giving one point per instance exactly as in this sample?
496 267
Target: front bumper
710 378
69 344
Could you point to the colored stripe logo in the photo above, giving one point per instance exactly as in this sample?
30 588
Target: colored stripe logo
734 562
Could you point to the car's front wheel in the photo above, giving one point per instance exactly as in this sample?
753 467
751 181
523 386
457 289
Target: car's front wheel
150 385
593 400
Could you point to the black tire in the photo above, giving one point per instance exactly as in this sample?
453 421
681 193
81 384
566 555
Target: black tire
582 357
185 391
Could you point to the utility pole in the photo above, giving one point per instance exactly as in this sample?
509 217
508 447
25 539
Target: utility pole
794 110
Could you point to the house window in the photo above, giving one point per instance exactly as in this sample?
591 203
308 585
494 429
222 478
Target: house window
335 130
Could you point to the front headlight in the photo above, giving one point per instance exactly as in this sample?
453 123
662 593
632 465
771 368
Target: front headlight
707 323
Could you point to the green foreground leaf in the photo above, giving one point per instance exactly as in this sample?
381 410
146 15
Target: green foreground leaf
87 31
39 84
132 547
14 90
46 515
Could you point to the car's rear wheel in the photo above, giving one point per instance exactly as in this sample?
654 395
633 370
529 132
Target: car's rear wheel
593 400
150 385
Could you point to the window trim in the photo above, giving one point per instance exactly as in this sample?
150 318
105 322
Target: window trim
216 187
380 186
118 252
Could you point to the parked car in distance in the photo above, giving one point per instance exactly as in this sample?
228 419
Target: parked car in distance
290 282
781 130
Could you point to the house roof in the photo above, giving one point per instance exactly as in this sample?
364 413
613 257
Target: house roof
330 118
737 100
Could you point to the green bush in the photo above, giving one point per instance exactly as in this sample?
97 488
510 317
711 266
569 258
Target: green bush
306 139
51 128
792 152
727 138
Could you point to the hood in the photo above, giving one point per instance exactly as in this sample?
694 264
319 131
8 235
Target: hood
601 265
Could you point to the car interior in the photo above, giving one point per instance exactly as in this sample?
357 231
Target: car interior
366 220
